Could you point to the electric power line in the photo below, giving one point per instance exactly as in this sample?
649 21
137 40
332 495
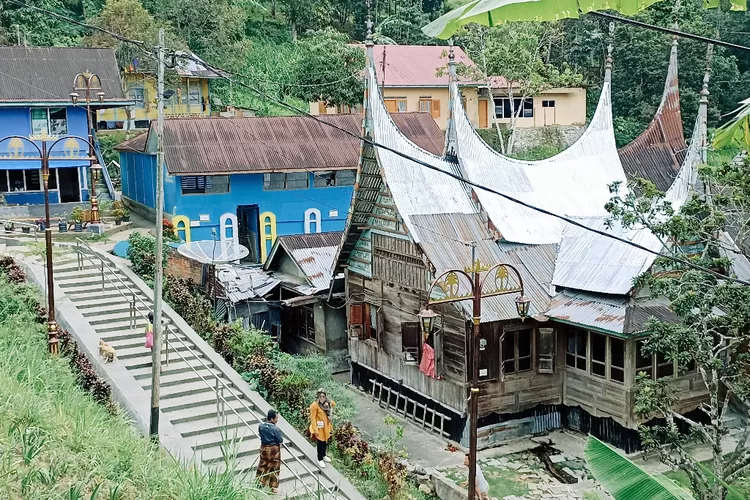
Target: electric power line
225 74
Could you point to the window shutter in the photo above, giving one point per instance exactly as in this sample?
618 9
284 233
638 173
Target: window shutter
390 105
435 108
322 108
355 320
379 327
546 357
410 342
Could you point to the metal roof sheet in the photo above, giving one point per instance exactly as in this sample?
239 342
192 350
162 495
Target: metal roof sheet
217 145
573 183
415 65
416 190
444 241
659 151
242 283
588 261
311 240
135 144
316 264
46 74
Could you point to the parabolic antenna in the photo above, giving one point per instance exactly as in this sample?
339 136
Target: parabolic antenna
213 251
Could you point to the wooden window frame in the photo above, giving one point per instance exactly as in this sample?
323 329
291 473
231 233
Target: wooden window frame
396 102
599 363
575 356
517 358
430 105
360 322
545 354
655 366
612 366
411 342
548 103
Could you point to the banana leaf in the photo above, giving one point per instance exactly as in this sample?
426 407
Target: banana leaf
494 12
737 131
625 480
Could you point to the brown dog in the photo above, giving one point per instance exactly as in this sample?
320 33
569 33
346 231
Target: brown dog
107 352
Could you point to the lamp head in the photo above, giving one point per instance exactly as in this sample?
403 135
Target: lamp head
74 97
426 320
95 171
522 306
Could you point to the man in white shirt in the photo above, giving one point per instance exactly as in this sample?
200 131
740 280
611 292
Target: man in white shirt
482 486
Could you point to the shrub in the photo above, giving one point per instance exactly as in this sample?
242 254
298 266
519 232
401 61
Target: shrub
188 302
142 255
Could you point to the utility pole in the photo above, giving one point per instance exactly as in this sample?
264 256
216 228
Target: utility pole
156 352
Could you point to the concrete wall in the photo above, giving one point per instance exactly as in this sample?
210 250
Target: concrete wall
17 121
172 106
556 136
569 109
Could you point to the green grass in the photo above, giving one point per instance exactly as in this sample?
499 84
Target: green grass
503 482
57 443
722 156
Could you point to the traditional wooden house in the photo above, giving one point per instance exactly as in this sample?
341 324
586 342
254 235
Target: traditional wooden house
572 364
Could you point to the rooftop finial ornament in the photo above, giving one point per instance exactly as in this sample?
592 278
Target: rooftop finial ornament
368 23
451 53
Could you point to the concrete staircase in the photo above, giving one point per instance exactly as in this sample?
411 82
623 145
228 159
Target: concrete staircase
216 419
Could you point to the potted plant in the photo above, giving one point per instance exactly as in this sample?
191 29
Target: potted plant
118 213
125 215
9 226
62 224
77 217
41 224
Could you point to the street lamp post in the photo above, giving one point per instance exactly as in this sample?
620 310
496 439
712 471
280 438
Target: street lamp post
16 151
88 83
453 285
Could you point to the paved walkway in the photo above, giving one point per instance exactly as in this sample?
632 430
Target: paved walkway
424 449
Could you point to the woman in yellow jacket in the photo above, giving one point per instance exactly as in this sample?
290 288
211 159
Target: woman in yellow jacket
321 416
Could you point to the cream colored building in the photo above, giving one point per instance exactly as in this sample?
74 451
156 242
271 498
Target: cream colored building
415 78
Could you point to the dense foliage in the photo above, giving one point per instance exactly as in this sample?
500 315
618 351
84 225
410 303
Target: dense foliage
712 332
296 50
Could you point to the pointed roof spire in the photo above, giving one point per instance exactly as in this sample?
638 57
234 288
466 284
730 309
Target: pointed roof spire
608 63
676 24
369 43
451 139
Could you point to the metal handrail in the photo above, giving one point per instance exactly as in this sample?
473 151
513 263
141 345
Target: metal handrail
220 385
20 224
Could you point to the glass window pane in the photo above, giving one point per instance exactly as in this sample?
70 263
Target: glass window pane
297 180
345 177
425 105
33 180
617 352
617 375
58 121
509 351
16 180
571 348
52 178
581 343
570 360
138 95
273 181
598 347
598 369
401 106
39 121
524 364
524 343
324 179
581 363
3 181
195 95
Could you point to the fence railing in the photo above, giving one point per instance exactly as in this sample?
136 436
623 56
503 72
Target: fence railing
220 388
32 227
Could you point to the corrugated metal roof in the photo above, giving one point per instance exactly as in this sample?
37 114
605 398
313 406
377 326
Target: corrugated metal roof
609 313
214 145
659 151
46 74
573 183
243 283
444 238
312 253
311 240
191 68
135 144
416 190
729 250
316 264
594 263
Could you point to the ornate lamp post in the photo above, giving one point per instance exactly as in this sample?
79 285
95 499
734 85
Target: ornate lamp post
474 283
15 146
88 83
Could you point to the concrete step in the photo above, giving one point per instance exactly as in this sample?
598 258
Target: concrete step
197 401
110 298
138 338
240 448
207 429
199 386
134 353
72 274
175 367
81 295
91 287
206 415
184 377
108 309
112 317
174 358
123 325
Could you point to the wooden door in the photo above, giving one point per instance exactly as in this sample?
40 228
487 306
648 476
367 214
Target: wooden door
483 121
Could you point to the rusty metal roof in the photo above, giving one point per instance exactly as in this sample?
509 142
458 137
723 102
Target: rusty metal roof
214 145
312 253
238 283
444 238
46 74
135 144
659 151
613 314
416 65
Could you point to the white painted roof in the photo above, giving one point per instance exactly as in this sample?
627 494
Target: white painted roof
572 183
416 190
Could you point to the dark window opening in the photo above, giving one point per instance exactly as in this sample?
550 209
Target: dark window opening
411 342
548 103
643 362
16 180
617 360
576 348
33 180
664 366
364 321
598 355
3 181
516 348
203 184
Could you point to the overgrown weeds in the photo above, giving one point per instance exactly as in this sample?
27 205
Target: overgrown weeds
57 442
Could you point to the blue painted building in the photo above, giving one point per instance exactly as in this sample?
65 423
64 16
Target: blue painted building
35 87
255 178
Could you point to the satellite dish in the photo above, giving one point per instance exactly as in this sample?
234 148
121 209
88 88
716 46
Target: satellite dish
213 251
